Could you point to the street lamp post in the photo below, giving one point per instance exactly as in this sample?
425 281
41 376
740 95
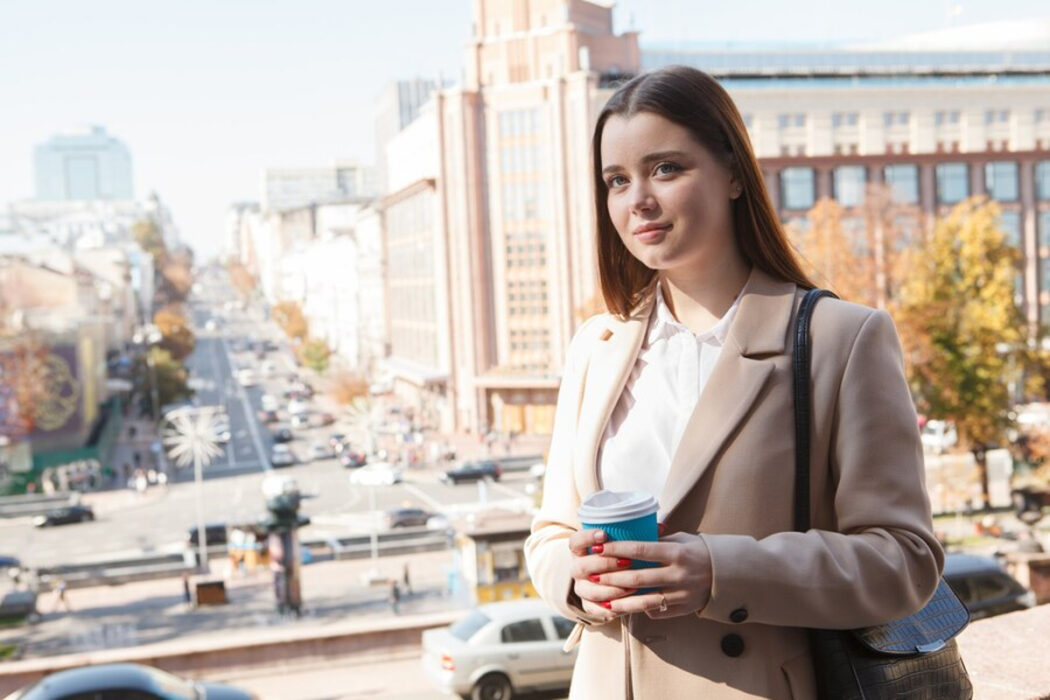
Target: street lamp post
193 439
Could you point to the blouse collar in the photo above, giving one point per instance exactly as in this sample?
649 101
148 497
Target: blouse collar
664 324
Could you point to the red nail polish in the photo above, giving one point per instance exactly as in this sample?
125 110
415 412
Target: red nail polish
594 578
623 563
597 549
606 604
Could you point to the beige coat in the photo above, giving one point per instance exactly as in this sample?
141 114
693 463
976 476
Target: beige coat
870 558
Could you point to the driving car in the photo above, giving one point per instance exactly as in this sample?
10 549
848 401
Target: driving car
282 456
376 474
64 516
351 459
124 681
472 471
406 517
269 416
499 650
984 587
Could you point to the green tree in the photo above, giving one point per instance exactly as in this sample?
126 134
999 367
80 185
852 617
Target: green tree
178 338
170 375
149 237
964 337
314 353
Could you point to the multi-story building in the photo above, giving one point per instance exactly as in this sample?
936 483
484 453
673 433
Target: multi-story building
292 188
514 194
966 114
395 108
83 164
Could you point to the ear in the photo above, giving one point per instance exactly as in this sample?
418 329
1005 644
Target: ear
736 187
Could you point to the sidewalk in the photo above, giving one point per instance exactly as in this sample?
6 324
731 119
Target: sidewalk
149 612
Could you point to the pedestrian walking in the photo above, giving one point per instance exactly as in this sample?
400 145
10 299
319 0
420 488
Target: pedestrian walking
136 457
60 597
683 393
395 598
405 579
131 431
186 597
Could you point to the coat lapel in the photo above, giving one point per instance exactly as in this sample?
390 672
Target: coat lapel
757 334
610 364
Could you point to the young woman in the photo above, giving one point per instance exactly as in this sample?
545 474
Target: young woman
684 391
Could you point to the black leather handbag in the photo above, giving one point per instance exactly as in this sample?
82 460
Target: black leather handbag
913 658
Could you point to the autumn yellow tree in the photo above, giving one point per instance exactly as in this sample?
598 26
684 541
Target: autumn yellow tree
177 337
242 279
290 318
964 337
315 353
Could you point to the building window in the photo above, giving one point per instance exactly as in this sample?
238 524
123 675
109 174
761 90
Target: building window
844 119
942 117
797 188
785 121
849 182
896 118
1042 181
1044 229
953 184
1000 179
1010 221
903 181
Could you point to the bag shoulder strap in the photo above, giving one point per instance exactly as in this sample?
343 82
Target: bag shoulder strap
800 371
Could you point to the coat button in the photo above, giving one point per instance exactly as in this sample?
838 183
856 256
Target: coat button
738 615
732 645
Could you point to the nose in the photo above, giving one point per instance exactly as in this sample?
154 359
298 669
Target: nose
642 199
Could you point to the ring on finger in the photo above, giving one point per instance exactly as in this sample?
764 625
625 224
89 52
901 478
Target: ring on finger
663 603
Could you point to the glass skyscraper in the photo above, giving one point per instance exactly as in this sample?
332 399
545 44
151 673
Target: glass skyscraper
86 164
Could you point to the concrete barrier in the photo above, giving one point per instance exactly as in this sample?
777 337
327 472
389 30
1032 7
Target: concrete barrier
245 649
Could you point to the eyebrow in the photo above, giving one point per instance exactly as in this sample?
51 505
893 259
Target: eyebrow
659 155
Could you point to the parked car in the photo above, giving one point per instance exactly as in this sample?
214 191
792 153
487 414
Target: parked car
282 456
283 435
338 441
321 419
300 420
269 416
124 681
472 471
214 534
246 377
376 474
64 516
983 587
938 436
500 650
406 517
269 402
296 406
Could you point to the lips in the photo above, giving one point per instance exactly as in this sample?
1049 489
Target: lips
651 233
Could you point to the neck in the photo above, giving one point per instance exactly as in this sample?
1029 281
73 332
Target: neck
699 300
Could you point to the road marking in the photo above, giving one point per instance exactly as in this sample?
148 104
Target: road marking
421 495
248 415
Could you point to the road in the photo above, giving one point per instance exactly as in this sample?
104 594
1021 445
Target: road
128 525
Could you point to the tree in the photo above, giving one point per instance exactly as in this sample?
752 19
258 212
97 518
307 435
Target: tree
964 337
314 353
178 338
243 280
149 237
171 377
347 387
859 257
291 320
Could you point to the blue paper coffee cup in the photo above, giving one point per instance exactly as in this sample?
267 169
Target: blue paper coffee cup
623 516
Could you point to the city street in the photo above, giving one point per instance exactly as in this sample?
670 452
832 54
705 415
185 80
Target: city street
129 524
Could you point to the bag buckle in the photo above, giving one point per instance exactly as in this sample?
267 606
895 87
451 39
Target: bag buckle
931 647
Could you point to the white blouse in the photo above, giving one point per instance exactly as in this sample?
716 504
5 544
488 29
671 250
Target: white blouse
646 426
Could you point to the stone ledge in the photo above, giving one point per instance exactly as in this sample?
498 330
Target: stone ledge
1008 656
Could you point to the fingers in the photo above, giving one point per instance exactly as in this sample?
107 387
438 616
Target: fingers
664 552
596 610
581 540
597 593
648 603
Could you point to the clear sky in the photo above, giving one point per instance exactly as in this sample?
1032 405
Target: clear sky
206 94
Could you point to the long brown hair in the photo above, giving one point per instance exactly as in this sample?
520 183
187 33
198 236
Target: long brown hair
695 101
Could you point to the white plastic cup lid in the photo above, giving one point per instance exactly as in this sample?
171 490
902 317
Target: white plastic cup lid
616 506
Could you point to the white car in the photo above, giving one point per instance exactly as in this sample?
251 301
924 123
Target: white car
269 402
376 474
319 450
282 456
246 377
296 406
500 650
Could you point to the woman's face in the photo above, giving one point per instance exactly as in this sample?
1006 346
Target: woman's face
668 197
